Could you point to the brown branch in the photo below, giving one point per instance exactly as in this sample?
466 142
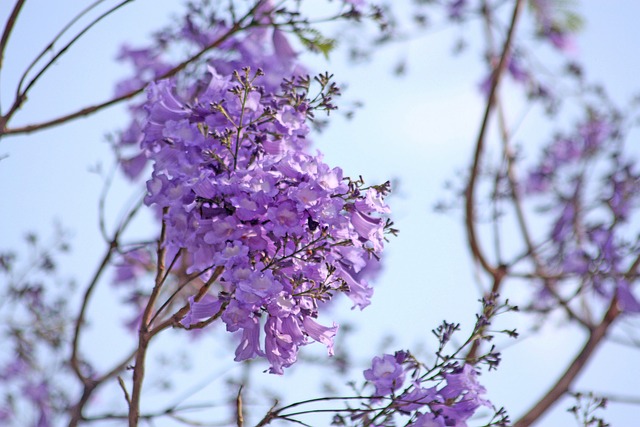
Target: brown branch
143 335
50 45
75 343
540 270
21 95
175 319
238 26
90 384
8 28
596 335
76 410
565 381
474 245
179 288
498 273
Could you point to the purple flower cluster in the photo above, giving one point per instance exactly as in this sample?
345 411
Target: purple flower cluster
19 377
257 47
240 193
449 399
555 23
595 189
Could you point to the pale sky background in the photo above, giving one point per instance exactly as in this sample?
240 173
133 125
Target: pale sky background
418 129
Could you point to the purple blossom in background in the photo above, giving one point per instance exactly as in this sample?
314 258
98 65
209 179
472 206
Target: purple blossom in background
547 15
133 265
567 151
589 238
40 397
456 9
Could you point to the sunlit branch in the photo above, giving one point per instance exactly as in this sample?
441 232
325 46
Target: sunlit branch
178 289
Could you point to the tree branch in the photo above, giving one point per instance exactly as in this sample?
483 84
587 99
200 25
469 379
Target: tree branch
8 28
237 26
474 245
566 380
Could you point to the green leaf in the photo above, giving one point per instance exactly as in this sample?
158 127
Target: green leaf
315 41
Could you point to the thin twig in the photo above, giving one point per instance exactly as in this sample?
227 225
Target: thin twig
8 28
21 95
239 413
497 272
178 289
509 158
175 319
238 26
90 384
616 398
75 343
51 44
124 390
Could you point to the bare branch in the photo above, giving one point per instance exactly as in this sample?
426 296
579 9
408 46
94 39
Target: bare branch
476 251
8 28
21 94
565 381
238 26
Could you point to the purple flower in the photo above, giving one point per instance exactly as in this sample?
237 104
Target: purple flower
249 346
6 414
283 337
462 396
282 48
625 187
548 24
456 8
386 374
319 333
418 398
207 307
564 225
132 265
627 301
428 420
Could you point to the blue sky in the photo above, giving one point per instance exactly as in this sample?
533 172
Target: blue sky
417 129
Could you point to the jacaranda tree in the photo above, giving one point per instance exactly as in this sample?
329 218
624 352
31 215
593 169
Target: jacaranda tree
255 238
